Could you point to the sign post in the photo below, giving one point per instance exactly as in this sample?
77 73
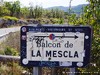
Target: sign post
35 71
72 71
55 46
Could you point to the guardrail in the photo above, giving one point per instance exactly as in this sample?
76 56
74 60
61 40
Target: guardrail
9 58
4 35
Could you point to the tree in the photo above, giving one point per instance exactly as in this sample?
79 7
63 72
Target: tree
4 11
56 13
91 16
16 7
13 7
24 12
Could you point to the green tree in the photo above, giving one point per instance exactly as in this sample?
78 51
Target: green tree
35 12
56 13
13 7
16 7
38 12
4 11
24 12
91 16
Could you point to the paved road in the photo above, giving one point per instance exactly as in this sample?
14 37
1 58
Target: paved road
5 31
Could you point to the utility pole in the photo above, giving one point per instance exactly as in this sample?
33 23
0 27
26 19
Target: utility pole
70 6
1 2
69 10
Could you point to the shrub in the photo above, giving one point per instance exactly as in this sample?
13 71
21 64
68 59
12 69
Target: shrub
10 18
10 51
15 69
61 21
54 20
2 52
12 40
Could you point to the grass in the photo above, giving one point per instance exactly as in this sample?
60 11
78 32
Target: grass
10 68
10 18
12 43
11 46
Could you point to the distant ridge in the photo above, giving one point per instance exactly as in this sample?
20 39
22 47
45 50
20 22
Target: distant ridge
76 9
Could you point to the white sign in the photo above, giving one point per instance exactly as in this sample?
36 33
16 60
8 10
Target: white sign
68 46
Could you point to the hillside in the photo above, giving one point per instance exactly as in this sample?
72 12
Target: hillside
76 9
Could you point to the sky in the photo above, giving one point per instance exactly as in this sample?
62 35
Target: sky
50 3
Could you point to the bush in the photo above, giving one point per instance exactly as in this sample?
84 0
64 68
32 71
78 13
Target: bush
15 69
10 51
61 21
10 18
56 21
12 40
2 52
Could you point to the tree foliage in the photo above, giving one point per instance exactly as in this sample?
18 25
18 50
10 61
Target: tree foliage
91 17
14 9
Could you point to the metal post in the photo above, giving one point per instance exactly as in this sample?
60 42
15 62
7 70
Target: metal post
35 71
40 71
53 72
72 71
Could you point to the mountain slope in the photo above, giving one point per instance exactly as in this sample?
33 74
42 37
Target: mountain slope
77 8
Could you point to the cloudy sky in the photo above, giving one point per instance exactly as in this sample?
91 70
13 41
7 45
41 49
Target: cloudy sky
50 3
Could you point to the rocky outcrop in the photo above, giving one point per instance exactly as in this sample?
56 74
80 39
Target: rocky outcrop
6 23
2 23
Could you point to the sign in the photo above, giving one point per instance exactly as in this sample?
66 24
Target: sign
55 46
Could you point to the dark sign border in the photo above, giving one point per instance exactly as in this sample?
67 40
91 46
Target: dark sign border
82 29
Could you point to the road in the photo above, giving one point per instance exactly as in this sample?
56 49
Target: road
5 31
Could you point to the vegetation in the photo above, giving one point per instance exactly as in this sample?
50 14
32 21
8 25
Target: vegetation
11 48
10 18
12 13
91 17
7 47
14 9
10 68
